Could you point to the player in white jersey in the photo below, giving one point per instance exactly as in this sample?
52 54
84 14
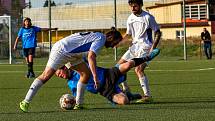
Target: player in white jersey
140 25
72 49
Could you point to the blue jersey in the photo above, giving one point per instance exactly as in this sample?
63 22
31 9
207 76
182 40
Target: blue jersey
28 36
72 82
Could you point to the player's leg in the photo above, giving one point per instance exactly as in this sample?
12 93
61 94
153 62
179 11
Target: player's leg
35 86
25 53
56 60
120 99
84 72
144 83
124 84
125 67
30 63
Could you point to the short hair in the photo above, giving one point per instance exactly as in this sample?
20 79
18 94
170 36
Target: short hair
139 2
116 34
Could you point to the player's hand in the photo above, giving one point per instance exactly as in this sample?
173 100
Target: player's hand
96 81
14 48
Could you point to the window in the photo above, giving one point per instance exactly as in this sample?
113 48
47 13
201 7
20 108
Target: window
179 34
197 11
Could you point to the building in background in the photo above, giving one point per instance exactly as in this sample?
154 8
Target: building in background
99 16
170 18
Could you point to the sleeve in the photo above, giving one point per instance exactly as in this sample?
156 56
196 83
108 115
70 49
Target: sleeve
128 31
153 24
20 32
98 44
118 89
202 36
72 82
37 29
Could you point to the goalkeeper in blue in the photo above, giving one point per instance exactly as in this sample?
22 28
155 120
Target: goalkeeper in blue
110 79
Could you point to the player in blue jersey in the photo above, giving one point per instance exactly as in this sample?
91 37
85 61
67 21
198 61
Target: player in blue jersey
117 97
28 34
109 78
72 49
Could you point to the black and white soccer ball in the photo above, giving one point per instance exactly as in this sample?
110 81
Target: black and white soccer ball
67 102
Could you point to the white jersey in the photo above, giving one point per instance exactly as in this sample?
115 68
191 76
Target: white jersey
140 28
82 42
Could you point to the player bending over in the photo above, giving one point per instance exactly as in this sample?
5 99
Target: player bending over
109 78
72 49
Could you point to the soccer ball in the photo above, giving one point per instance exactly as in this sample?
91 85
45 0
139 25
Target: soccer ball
67 102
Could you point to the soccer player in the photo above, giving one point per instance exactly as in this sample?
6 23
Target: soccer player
27 34
109 79
139 26
72 49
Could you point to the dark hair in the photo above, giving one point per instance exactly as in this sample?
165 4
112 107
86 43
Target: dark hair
139 2
26 19
116 34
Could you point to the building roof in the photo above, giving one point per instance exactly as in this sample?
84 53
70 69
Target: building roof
157 5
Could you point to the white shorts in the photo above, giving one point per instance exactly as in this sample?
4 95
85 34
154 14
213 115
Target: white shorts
137 50
59 58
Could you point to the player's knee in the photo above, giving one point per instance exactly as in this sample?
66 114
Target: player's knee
128 65
44 77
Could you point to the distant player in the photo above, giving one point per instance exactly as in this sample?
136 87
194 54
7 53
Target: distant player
140 25
72 49
109 78
28 34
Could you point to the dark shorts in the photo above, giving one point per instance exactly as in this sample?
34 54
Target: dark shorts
28 51
112 76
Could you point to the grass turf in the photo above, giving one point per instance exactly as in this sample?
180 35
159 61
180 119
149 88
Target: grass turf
182 91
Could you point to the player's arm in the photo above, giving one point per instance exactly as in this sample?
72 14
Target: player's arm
47 29
202 36
16 42
125 39
156 39
92 65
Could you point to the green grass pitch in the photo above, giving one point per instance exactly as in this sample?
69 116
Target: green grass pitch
182 91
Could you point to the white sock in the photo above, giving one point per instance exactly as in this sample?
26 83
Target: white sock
35 86
145 85
80 93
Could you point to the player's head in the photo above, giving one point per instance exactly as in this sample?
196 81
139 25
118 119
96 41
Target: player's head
113 37
63 72
136 6
27 22
204 29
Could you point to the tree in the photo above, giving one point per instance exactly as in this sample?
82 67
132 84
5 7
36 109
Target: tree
46 4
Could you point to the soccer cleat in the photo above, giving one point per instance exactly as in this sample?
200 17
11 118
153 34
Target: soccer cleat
78 107
24 106
145 99
31 75
27 74
153 54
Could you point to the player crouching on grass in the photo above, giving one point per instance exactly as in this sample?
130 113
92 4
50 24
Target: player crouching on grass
72 49
109 78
